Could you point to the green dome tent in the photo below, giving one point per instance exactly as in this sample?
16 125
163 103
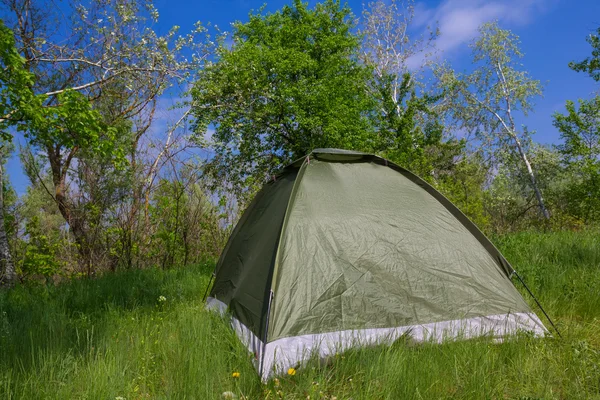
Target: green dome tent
346 249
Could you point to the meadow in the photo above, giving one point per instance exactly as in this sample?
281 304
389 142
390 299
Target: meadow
144 334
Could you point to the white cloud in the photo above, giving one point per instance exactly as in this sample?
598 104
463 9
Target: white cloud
458 20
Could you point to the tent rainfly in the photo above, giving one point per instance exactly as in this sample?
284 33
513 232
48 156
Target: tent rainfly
346 249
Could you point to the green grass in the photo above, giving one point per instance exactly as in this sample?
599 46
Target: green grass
111 337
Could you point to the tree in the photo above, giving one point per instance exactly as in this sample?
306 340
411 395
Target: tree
389 48
16 103
486 100
410 132
590 65
95 89
464 185
288 82
185 223
43 245
7 267
580 130
509 201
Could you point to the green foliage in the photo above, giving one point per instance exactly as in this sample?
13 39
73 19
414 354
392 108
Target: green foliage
408 131
591 65
510 201
40 245
289 82
463 185
115 337
186 224
10 199
17 101
83 126
83 89
70 123
484 102
41 252
168 206
580 130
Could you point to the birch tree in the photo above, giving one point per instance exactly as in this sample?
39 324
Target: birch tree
409 131
394 54
389 45
488 100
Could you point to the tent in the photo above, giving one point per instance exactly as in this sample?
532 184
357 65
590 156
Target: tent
346 249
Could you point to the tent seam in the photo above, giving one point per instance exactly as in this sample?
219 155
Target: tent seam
291 200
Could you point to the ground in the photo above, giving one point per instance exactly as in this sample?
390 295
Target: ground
144 334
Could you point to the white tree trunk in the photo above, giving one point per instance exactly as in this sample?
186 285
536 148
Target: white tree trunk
534 185
10 275
512 132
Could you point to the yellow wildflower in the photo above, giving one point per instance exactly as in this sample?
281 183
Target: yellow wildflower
291 371
236 374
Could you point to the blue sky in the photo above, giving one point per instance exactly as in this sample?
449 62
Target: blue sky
552 33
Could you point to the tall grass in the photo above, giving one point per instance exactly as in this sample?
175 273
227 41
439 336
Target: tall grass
116 337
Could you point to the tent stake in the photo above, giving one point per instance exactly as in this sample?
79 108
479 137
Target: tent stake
537 302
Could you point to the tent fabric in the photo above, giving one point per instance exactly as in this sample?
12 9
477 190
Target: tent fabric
345 249
244 270
276 357
382 253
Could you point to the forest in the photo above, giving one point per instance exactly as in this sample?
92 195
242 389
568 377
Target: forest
109 190
130 198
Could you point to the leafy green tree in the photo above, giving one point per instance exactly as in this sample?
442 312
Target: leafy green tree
509 201
43 246
287 83
50 126
464 185
95 90
41 251
409 132
590 65
486 100
17 103
580 130
185 223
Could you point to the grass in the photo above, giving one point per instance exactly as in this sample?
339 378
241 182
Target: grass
112 337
